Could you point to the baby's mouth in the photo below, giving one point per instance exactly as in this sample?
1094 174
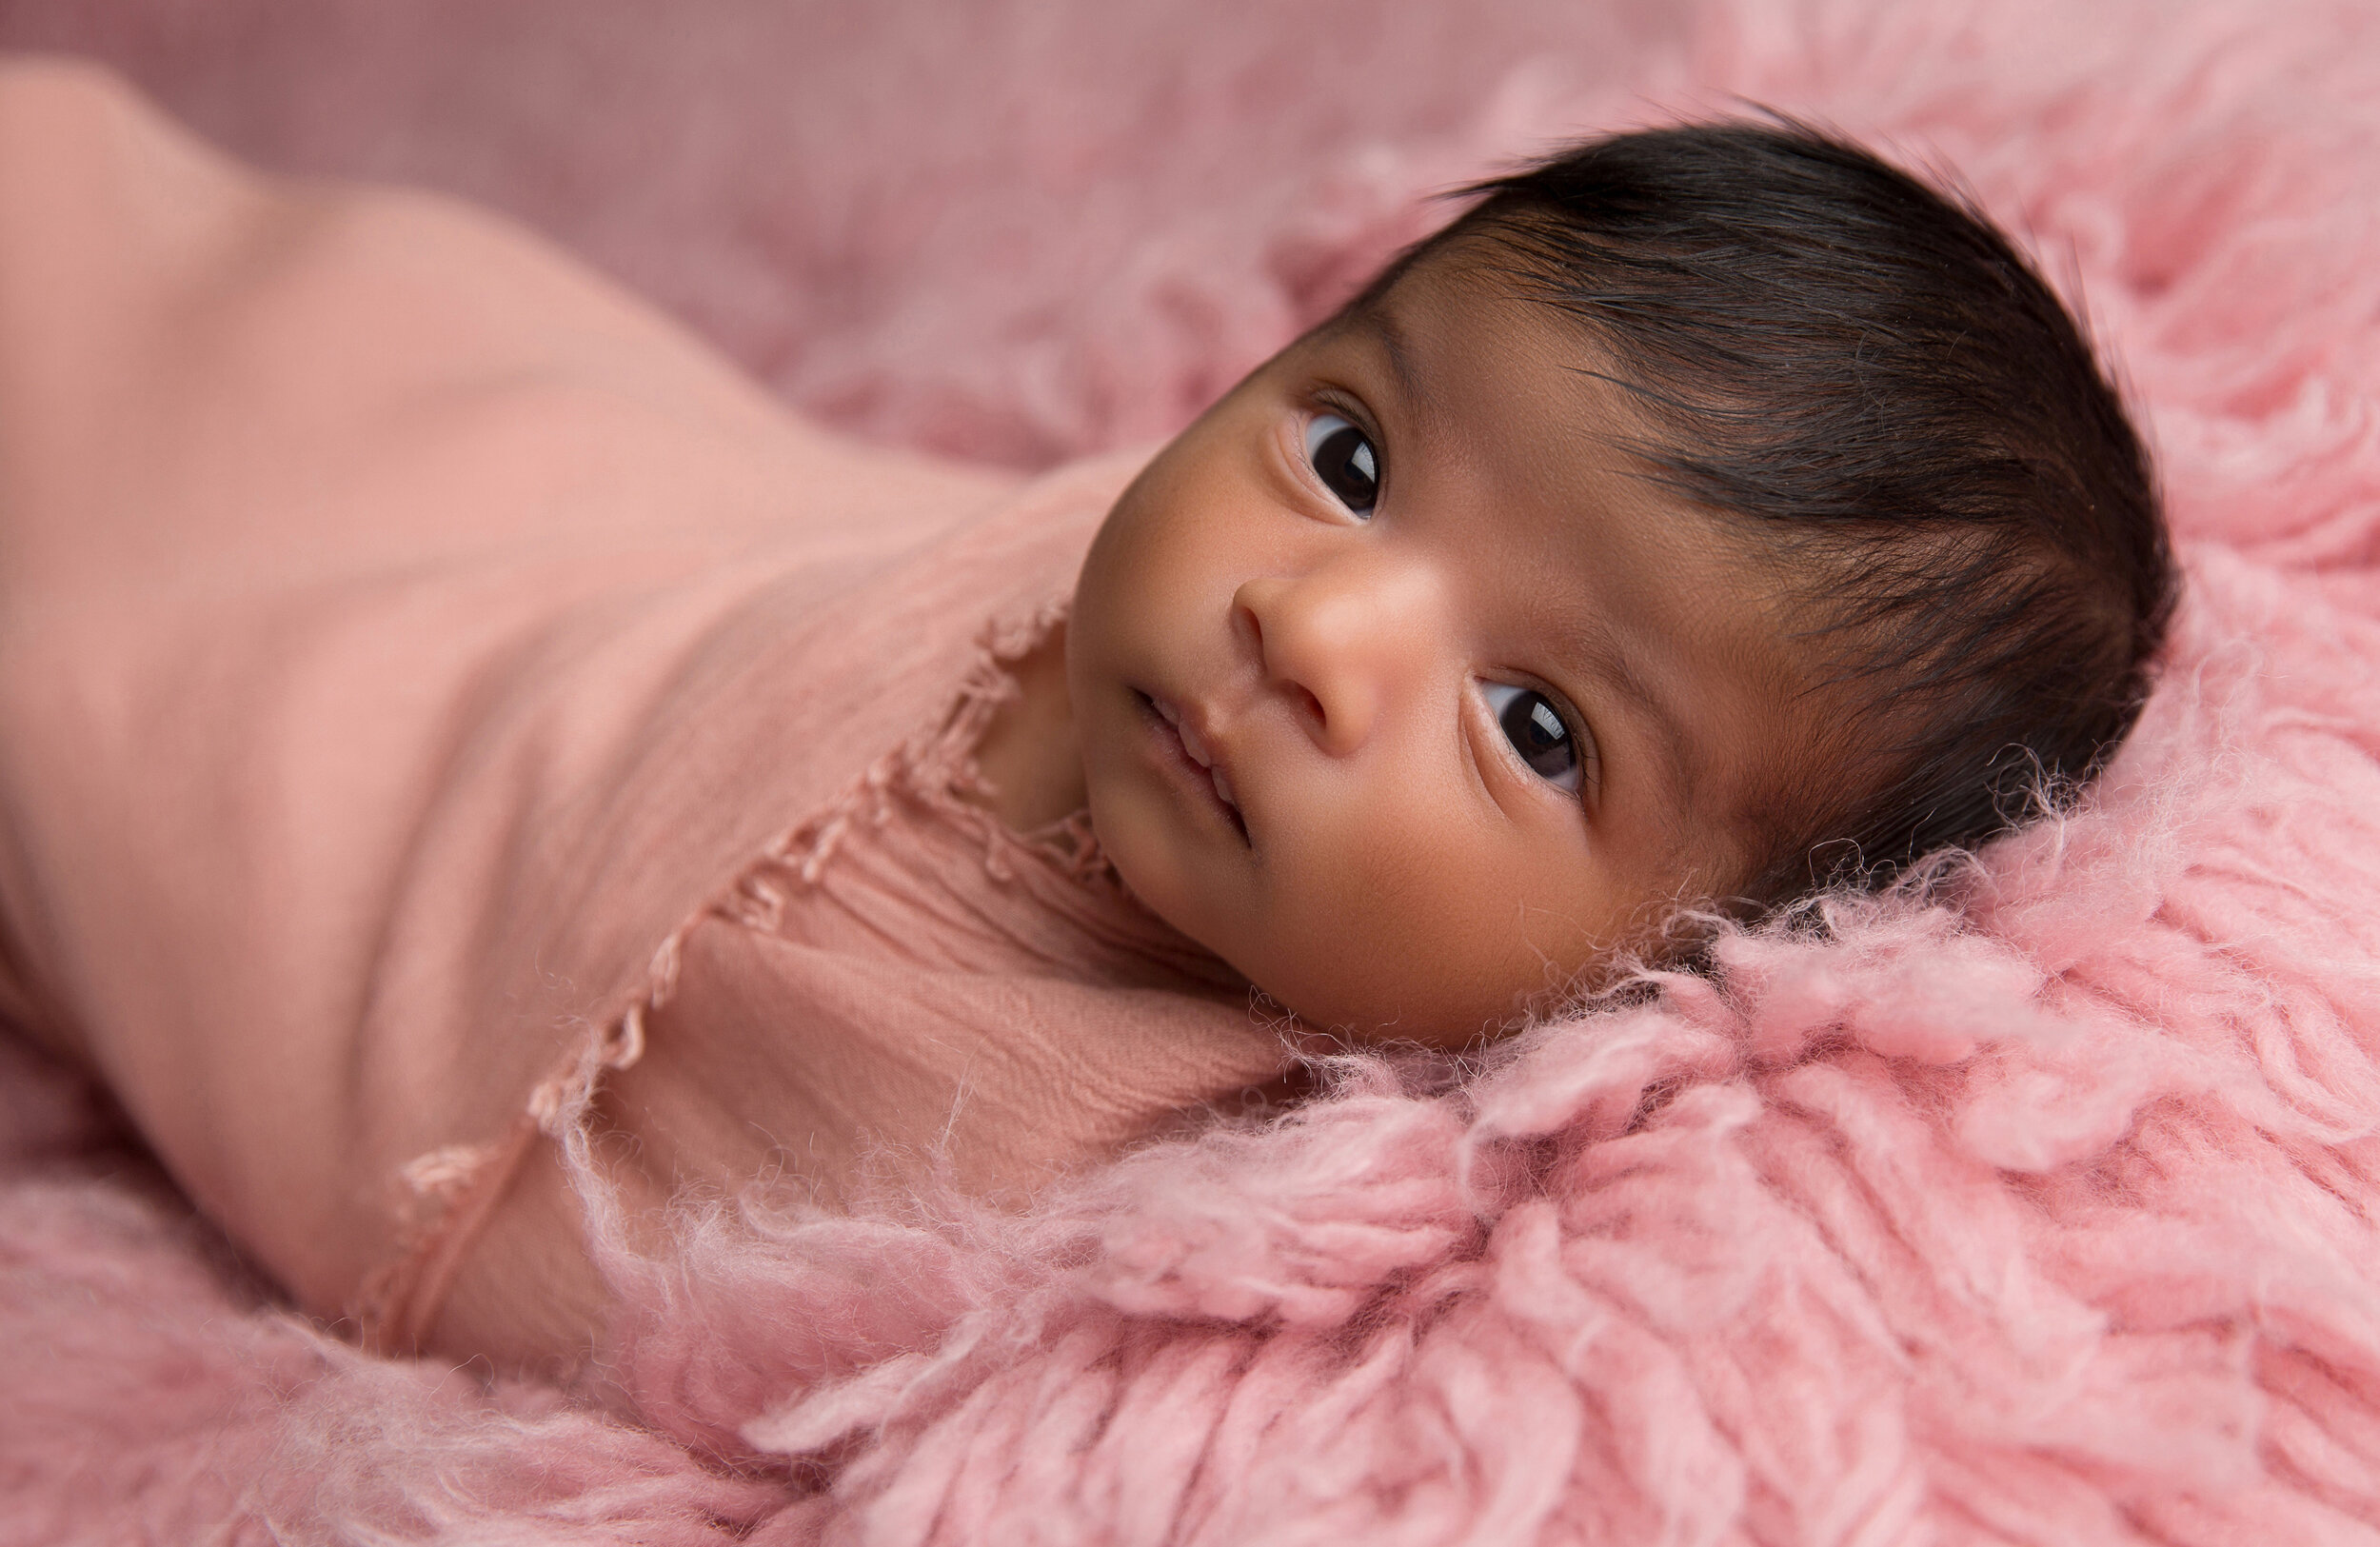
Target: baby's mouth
1200 753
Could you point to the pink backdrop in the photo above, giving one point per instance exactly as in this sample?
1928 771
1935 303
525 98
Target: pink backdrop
2054 1223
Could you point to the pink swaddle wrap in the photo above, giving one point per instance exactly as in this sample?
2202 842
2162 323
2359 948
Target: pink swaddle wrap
404 642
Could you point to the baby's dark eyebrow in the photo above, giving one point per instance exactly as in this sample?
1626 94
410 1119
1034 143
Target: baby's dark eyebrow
1606 656
1409 380
1382 324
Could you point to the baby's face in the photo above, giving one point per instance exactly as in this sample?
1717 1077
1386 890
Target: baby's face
1401 689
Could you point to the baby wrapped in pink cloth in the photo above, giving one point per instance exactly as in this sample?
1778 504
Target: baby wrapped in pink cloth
403 635
443 710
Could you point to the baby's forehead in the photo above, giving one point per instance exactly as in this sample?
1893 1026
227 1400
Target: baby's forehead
1470 271
1470 341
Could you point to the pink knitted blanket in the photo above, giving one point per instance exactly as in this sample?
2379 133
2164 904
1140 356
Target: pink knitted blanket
2048 1221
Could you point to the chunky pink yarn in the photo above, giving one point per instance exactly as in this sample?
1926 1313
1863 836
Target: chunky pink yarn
2050 1221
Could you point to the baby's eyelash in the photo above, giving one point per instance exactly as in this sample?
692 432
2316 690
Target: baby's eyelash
1542 732
1346 458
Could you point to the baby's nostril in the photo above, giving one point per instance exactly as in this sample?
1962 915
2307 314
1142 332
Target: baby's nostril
1313 705
1250 627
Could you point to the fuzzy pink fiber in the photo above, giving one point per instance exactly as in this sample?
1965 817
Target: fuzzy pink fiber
2048 1221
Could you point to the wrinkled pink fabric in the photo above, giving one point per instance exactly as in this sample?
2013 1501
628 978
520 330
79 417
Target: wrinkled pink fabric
399 635
2047 1221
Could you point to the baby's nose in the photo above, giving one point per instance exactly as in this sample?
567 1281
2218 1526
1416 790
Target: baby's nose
1347 644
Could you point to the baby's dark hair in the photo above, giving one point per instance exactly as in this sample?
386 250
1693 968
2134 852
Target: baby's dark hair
1870 378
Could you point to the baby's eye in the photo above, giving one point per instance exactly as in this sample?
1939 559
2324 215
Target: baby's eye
1535 727
1343 458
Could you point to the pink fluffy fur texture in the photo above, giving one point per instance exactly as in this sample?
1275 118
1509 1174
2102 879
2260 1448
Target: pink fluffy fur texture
2045 1219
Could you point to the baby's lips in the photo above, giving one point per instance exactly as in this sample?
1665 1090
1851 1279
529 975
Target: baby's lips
1192 743
1222 788
1196 745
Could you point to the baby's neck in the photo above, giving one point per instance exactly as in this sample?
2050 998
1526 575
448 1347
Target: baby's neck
1030 764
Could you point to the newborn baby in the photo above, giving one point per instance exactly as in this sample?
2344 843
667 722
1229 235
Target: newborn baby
460 745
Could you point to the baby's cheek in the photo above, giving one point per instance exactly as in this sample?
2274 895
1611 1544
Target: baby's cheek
1398 938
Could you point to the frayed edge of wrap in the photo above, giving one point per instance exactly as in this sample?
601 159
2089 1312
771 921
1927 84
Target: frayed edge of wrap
446 1197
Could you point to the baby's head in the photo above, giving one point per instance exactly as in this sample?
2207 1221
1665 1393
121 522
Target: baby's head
1707 515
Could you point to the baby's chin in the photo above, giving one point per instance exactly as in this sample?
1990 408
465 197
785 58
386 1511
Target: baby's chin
1384 1001
1343 997
1337 989
1392 1008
